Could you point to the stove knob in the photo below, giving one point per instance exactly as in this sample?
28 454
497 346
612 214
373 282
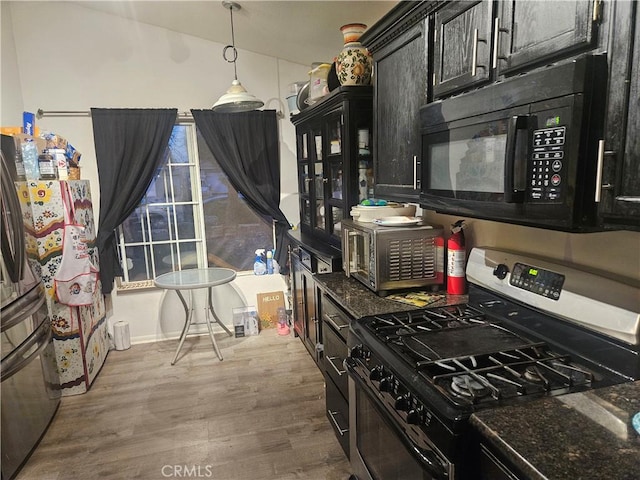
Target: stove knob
386 384
357 352
376 373
403 402
415 416
501 271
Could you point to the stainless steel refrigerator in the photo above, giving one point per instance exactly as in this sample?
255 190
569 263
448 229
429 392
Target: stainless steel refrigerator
30 385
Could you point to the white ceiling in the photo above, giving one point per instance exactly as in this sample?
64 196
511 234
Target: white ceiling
301 31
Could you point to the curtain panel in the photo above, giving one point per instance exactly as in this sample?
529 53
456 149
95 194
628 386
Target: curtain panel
246 145
131 145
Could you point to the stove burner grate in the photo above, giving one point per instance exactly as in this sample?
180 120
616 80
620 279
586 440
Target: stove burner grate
476 379
467 386
421 321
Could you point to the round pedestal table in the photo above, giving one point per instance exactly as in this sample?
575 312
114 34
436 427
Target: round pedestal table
194 279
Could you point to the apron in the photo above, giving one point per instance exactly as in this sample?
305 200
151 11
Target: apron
76 278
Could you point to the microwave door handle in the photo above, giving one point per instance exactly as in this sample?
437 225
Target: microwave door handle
346 252
515 128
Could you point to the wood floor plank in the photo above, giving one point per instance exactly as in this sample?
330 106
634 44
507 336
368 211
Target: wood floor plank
259 414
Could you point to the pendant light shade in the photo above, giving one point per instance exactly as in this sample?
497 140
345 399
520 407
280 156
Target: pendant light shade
237 99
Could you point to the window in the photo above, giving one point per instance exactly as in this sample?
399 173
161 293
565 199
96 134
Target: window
233 230
190 217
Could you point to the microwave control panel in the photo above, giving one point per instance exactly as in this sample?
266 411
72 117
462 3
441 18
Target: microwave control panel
547 161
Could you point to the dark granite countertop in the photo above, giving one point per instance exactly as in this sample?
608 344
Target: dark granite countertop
579 436
359 301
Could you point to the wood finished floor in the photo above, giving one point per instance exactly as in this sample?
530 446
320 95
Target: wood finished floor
259 414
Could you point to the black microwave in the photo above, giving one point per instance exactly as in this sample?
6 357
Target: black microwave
526 150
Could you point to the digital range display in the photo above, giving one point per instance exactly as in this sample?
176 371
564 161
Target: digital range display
537 280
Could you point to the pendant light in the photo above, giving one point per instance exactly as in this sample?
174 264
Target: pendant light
237 99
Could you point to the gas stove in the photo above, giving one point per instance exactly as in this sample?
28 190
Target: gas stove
472 360
530 328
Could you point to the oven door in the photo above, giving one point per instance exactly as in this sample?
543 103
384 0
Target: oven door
379 450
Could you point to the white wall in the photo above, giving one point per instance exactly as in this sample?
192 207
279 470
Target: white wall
614 254
60 56
154 315
10 90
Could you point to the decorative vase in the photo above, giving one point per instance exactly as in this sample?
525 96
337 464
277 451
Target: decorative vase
353 63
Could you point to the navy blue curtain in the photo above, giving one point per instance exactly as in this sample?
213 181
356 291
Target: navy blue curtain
246 145
131 145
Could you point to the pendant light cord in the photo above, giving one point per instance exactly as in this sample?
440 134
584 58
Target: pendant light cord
231 6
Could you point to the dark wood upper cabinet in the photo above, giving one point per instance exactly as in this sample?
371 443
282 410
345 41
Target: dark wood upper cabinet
399 45
530 32
401 87
425 51
482 41
620 184
462 46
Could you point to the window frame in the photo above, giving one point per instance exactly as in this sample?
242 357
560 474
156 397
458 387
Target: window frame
123 283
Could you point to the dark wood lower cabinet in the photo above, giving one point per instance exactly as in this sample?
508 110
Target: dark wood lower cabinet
335 323
305 319
322 326
335 352
338 413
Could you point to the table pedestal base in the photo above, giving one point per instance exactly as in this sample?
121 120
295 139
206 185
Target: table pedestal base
188 309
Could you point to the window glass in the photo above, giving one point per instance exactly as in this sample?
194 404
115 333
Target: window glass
233 230
165 232
190 217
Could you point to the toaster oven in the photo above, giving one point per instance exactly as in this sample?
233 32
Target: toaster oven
386 258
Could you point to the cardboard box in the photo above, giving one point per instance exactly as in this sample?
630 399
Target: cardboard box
268 305
245 321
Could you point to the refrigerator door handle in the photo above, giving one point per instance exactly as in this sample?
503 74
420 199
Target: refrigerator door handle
26 351
13 249
26 305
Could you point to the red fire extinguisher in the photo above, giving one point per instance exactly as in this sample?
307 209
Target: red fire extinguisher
456 256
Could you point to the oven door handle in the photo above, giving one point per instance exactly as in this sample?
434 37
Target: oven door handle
515 165
427 458
429 462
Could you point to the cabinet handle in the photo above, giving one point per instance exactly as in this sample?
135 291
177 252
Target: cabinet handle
332 415
338 371
329 319
599 170
596 10
628 199
474 54
496 41
416 164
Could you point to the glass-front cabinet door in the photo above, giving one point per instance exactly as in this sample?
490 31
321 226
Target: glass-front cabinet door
334 160
304 176
319 180
335 204
364 160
